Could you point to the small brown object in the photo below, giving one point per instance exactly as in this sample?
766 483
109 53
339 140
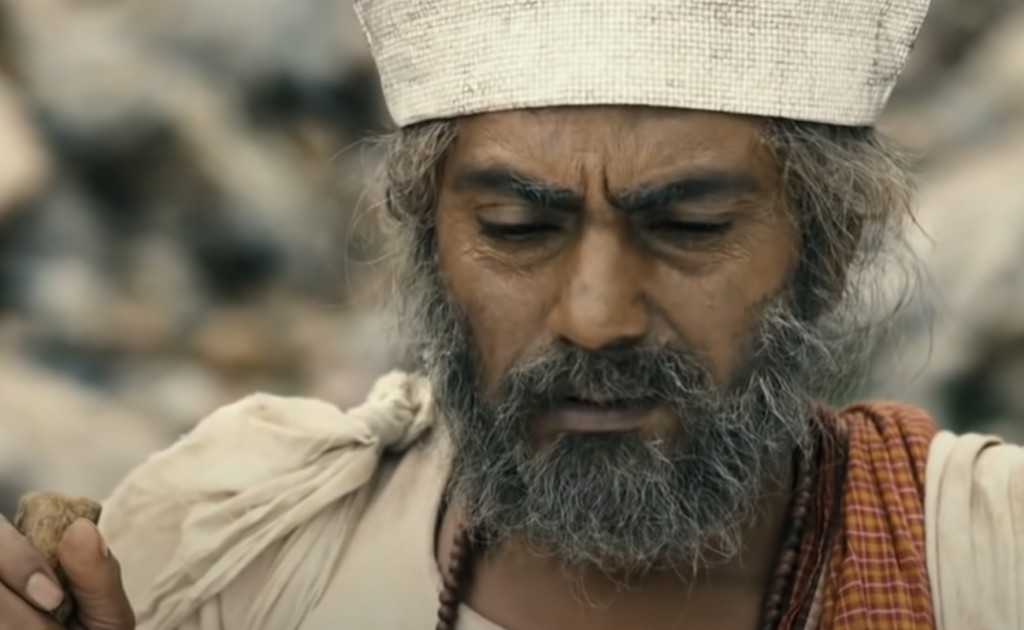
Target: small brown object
42 518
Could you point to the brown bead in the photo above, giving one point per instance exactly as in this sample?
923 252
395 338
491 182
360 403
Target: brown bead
789 558
447 613
451 583
792 541
448 598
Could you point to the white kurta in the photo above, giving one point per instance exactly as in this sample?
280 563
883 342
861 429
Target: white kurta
974 522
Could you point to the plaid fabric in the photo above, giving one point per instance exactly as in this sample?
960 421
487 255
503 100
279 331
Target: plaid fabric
867 539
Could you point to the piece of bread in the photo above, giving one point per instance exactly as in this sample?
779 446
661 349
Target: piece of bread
43 517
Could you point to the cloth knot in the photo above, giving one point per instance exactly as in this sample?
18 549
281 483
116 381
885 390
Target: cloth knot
397 411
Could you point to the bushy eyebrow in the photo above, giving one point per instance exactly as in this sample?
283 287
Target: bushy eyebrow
683 190
548 196
503 181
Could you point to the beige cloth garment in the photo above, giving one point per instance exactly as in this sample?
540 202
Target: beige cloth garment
974 522
228 529
390 579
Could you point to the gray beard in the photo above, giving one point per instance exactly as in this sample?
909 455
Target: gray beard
622 503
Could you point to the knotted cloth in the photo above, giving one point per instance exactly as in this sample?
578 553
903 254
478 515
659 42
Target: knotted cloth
260 472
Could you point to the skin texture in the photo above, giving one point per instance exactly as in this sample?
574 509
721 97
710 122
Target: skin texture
563 258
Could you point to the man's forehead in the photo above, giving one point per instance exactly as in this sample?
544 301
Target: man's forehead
635 142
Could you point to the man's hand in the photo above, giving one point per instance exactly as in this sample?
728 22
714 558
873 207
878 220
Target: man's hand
29 588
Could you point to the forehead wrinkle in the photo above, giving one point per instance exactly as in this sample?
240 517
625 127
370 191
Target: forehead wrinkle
672 155
747 156
499 144
618 149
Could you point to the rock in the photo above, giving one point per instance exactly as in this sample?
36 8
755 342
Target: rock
101 82
107 85
62 283
315 41
984 91
187 244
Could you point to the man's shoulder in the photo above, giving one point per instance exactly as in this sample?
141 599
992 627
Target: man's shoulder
890 418
974 516
901 434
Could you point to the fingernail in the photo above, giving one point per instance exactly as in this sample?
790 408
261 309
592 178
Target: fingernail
44 592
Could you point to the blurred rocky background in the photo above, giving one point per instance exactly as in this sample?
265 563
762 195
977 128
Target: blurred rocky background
957 347
183 220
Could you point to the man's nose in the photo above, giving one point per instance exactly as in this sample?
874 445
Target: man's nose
602 302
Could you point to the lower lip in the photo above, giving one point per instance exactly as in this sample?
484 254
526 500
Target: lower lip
583 418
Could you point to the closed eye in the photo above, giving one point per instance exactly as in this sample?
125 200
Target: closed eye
691 228
516 231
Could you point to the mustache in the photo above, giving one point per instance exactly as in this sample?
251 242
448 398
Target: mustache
623 373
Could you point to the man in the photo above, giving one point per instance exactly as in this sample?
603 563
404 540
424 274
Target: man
632 234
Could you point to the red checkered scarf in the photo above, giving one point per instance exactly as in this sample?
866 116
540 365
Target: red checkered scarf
867 548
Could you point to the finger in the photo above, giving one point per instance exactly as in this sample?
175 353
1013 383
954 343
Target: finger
24 571
94 576
17 614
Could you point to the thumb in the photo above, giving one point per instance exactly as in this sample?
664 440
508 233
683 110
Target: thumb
94 577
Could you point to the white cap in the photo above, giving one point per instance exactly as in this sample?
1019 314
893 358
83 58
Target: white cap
832 61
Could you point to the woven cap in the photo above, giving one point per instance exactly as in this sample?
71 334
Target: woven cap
833 61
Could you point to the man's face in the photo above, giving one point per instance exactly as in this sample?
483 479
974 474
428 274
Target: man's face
616 357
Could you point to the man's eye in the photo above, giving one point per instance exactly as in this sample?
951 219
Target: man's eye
696 229
516 231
